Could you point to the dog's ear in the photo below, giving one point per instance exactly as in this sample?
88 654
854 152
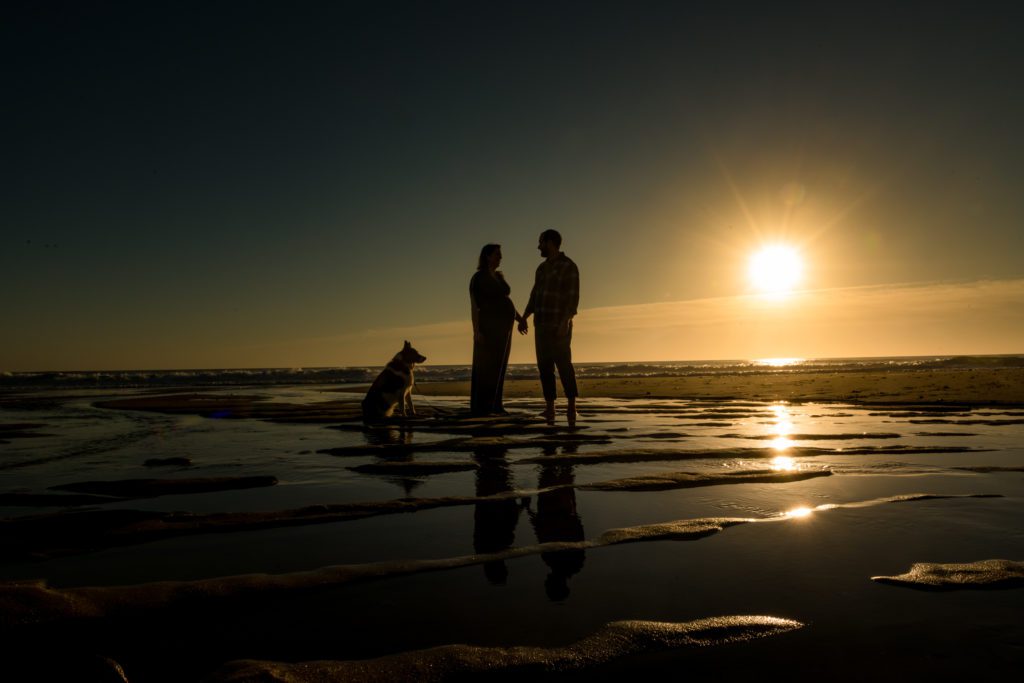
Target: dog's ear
407 344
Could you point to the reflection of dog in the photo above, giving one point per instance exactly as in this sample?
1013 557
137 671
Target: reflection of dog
393 386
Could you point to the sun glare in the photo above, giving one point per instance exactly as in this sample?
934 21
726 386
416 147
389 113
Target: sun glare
781 429
778 362
783 463
775 269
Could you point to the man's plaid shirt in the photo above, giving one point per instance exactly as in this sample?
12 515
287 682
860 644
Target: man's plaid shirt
556 292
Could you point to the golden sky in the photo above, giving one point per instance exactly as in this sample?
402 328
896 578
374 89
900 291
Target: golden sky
984 317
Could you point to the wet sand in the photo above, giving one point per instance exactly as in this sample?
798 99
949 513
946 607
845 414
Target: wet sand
977 386
269 533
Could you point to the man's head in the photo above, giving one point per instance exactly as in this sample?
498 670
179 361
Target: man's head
550 243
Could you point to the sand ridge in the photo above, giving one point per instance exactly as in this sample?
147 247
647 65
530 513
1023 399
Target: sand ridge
614 640
952 576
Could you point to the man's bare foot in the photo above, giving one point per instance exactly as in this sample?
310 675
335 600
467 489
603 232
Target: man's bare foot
549 413
571 414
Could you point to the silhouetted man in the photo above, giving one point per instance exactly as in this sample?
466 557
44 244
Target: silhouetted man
553 302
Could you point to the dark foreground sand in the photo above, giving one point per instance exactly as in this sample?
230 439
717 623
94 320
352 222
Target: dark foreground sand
977 386
806 592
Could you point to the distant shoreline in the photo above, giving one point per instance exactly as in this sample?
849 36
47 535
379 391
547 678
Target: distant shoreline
974 386
745 372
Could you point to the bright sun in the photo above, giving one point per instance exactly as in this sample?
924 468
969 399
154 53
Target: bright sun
775 269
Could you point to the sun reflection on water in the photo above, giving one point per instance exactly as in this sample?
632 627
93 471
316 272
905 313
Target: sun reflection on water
802 511
783 463
779 362
782 428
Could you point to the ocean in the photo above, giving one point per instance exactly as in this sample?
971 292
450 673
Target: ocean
432 373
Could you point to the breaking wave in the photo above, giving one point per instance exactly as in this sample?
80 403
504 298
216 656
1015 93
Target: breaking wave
434 373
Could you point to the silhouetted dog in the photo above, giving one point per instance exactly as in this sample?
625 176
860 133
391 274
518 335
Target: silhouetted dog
393 386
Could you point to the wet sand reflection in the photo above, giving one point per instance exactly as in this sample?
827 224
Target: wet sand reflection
494 522
557 520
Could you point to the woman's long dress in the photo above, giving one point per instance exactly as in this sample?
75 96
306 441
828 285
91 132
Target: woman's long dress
497 314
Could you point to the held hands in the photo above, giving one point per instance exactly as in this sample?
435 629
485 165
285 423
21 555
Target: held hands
563 327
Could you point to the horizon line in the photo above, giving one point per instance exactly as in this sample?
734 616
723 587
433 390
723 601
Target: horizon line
936 356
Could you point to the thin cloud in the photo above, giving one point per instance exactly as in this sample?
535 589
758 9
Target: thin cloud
891 320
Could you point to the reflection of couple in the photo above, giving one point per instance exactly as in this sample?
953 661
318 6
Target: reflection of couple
553 302
554 520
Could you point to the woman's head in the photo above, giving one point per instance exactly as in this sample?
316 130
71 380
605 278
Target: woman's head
490 257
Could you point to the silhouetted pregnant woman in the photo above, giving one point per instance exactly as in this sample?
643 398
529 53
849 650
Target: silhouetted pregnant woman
493 317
